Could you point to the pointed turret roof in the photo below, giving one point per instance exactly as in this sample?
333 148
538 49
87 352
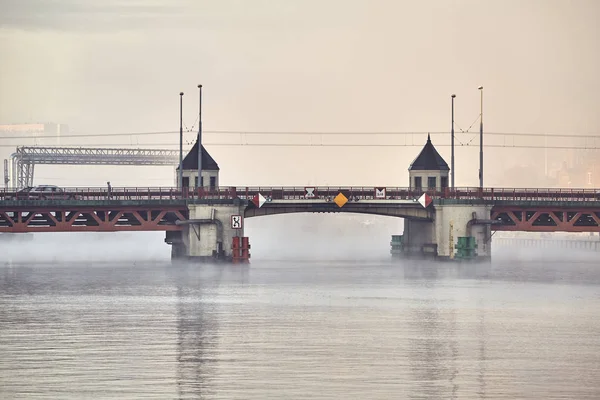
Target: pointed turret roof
429 159
191 160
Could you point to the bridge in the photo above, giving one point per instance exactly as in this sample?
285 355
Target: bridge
207 222
164 209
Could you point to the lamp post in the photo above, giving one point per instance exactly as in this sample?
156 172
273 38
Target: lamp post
200 183
180 183
452 144
481 140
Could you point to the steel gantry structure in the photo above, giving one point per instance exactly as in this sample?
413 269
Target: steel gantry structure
26 157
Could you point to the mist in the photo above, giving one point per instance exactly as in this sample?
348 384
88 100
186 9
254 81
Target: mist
294 66
333 65
338 238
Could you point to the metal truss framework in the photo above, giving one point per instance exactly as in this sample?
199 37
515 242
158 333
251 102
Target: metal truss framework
26 157
91 219
547 219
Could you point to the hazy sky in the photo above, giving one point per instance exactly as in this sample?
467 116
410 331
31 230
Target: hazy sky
331 65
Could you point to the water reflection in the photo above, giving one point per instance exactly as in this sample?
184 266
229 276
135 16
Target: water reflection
427 354
482 335
442 333
305 330
453 341
196 332
421 270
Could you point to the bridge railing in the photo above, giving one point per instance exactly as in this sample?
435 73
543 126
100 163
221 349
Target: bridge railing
117 193
467 193
521 194
303 193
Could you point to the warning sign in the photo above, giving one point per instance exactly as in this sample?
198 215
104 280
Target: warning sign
259 200
310 192
425 200
340 200
236 222
380 193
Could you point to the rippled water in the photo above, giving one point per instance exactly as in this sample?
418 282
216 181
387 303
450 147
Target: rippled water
300 330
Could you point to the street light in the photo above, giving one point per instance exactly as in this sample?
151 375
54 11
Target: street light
200 183
180 184
452 143
481 140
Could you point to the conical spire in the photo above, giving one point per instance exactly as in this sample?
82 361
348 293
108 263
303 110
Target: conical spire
191 160
429 159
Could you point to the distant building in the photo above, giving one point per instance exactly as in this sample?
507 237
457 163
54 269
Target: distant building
580 169
210 170
428 170
44 133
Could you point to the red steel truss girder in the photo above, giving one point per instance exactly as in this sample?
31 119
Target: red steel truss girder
91 219
547 219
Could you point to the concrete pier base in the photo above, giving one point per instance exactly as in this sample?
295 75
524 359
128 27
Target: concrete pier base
207 235
460 233
455 221
419 239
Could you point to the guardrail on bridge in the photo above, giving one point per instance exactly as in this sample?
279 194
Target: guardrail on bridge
301 193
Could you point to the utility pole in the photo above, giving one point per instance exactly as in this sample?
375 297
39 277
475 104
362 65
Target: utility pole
180 183
452 144
200 183
481 140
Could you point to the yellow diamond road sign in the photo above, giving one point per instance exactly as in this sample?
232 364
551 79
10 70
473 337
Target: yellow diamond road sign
340 200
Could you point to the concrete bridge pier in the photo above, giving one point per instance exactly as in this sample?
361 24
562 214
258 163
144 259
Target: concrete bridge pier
419 239
463 232
453 231
456 232
208 234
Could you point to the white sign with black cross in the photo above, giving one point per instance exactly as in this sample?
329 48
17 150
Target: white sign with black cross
309 192
237 222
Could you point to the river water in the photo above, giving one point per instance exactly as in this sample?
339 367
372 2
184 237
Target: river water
296 330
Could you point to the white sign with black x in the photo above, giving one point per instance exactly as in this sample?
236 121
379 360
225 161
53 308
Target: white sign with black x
309 192
236 222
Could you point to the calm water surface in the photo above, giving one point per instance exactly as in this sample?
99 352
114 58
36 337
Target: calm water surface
300 330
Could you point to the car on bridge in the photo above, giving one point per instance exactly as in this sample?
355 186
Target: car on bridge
42 192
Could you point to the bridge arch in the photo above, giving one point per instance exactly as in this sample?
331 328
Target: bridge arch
407 212
304 236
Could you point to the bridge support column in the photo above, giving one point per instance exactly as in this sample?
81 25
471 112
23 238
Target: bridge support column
457 232
463 232
419 239
207 235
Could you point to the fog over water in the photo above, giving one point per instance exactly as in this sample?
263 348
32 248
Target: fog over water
288 237
321 312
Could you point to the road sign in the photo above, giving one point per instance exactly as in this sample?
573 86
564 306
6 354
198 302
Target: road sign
309 192
340 200
237 222
425 200
380 193
259 200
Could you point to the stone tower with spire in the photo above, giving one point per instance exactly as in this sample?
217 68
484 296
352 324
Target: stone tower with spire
210 170
428 171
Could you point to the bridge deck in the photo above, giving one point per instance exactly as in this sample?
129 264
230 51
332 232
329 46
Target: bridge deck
98 209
